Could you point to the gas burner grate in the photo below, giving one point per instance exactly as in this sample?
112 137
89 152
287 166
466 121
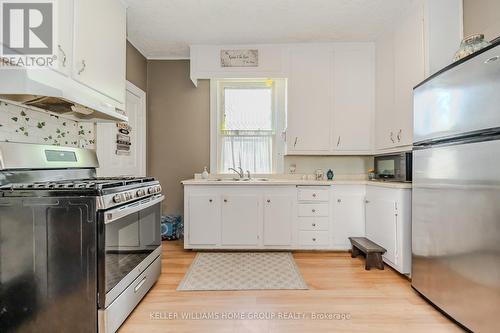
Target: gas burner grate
92 183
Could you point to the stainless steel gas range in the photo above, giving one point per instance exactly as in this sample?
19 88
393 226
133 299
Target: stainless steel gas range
77 252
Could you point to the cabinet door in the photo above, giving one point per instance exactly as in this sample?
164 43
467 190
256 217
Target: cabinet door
134 164
240 219
353 92
409 70
384 119
204 219
277 220
348 218
100 46
381 224
63 46
309 99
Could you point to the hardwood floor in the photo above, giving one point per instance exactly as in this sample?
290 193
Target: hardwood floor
374 301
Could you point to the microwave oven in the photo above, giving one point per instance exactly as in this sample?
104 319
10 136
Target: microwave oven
394 167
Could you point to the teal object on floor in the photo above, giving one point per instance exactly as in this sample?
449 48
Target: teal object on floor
172 227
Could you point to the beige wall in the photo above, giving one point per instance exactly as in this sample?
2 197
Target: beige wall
340 165
136 67
178 127
482 16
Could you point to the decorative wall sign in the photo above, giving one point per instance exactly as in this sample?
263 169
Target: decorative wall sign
123 142
239 58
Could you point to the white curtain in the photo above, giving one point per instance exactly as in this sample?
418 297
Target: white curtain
247 132
253 153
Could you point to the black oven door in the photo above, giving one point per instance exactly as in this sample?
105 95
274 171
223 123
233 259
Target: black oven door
129 240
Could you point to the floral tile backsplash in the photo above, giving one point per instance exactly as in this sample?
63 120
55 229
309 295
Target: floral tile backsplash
18 124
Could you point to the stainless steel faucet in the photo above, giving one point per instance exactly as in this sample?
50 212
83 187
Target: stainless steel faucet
240 173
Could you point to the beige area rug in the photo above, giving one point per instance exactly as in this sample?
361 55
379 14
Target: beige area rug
242 271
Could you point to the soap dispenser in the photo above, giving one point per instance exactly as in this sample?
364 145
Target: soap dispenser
204 174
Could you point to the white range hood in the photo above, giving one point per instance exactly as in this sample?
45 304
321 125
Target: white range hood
49 90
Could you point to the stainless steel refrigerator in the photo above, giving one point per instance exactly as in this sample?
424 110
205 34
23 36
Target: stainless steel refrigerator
456 191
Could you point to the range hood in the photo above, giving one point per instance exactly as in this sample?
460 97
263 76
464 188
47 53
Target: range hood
48 90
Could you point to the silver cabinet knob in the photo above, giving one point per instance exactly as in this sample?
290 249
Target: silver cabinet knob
367 201
210 200
314 210
339 200
314 195
314 239
268 200
314 224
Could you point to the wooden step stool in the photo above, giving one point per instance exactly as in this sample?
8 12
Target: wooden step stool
372 251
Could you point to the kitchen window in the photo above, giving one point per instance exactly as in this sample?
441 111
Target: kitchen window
247 122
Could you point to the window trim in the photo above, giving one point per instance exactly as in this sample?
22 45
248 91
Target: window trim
216 114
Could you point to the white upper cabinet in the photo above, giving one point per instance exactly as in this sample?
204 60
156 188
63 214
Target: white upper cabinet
443 32
309 99
420 43
408 72
384 83
330 99
353 97
64 38
100 46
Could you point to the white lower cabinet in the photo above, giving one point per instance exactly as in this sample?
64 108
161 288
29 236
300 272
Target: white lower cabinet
278 220
313 216
299 217
314 238
204 219
348 214
240 219
388 223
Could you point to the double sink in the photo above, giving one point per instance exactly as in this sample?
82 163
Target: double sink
238 179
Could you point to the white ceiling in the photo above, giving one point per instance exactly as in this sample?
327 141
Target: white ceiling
166 28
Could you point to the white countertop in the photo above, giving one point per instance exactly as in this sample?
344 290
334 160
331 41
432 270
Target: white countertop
299 182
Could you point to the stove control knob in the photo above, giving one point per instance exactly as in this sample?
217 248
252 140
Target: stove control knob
117 198
158 188
151 190
127 196
140 193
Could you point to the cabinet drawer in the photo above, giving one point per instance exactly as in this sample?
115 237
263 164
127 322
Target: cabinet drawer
313 237
116 313
313 223
313 209
313 194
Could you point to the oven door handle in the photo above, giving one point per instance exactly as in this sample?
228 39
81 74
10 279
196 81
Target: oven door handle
118 213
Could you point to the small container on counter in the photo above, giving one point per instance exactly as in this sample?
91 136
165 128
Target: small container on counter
204 174
371 174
